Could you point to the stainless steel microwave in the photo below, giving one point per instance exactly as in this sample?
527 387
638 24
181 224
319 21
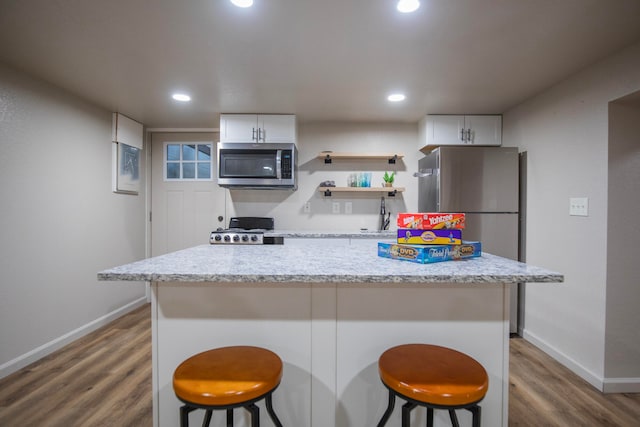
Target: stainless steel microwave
257 166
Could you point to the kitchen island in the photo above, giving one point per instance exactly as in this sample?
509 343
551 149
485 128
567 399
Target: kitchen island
329 308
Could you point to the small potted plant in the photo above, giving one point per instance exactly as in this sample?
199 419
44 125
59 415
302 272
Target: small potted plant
388 179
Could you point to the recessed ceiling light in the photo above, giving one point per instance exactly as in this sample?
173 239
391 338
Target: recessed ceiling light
181 97
408 6
396 97
242 3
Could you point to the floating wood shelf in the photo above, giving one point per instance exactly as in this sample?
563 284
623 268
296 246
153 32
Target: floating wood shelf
391 191
328 156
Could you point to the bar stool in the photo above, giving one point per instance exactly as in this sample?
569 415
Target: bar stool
434 377
227 378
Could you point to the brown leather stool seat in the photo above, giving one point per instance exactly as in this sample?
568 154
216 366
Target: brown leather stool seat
227 378
434 377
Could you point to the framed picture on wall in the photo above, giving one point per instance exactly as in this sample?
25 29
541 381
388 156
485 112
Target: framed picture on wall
127 136
127 168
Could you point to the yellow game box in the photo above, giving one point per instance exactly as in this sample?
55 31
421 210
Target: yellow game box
430 237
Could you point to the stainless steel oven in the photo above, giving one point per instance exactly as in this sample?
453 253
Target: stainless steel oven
257 166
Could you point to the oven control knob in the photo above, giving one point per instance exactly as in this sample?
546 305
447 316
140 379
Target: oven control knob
227 238
236 238
245 238
254 238
217 237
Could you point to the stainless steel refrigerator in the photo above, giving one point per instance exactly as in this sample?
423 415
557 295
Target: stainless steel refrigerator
481 182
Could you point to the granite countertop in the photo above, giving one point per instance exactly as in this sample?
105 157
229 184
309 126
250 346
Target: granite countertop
359 234
319 262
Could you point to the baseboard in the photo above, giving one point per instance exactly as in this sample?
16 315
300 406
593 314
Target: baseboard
38 353
621 385
565 360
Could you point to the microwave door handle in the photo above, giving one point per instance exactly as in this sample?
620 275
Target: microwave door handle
279 164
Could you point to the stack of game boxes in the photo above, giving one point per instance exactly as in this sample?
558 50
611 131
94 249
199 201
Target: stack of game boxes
430 237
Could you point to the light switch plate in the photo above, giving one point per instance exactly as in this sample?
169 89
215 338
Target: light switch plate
579 206
335 207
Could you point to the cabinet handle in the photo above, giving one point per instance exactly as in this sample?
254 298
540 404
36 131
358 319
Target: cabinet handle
262 134
253 134
468 135
462 134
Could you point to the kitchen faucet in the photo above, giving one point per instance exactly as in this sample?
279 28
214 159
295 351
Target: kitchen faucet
384 222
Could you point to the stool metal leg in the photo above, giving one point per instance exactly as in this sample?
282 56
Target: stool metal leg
406 413
229 417
429 417
255 414
454 418
206 422
476 411
184 415
390 406
271 412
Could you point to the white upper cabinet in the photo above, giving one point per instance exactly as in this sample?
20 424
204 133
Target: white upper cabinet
437 130
257 128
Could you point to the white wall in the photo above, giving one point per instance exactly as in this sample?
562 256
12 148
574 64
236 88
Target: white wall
622 341
565 132
59 221
287 207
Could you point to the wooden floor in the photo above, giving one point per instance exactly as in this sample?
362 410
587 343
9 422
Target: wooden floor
104 379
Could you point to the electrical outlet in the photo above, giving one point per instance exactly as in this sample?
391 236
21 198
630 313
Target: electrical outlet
335 208
307 207
578 206
348 208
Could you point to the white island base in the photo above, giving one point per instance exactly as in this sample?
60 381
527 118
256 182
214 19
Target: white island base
329 336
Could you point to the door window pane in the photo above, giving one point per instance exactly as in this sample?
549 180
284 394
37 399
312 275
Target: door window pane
188 170
204 170
191 161
173 152
204 152
173 170
188 152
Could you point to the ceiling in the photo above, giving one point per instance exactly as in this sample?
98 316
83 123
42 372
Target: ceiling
320 59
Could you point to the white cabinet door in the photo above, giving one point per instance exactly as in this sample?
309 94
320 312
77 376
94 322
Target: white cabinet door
238 128
277 127
257 128
437 130
484 130
445 130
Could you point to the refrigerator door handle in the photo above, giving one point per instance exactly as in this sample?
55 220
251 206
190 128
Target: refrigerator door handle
423 173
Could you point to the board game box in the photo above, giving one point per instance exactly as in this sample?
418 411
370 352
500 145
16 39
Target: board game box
426 254
431 220
429 237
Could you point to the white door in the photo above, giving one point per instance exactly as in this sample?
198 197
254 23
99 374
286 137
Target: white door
186 202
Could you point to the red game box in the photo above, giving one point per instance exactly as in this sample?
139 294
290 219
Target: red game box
431 220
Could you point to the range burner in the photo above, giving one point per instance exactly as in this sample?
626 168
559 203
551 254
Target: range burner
246 231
